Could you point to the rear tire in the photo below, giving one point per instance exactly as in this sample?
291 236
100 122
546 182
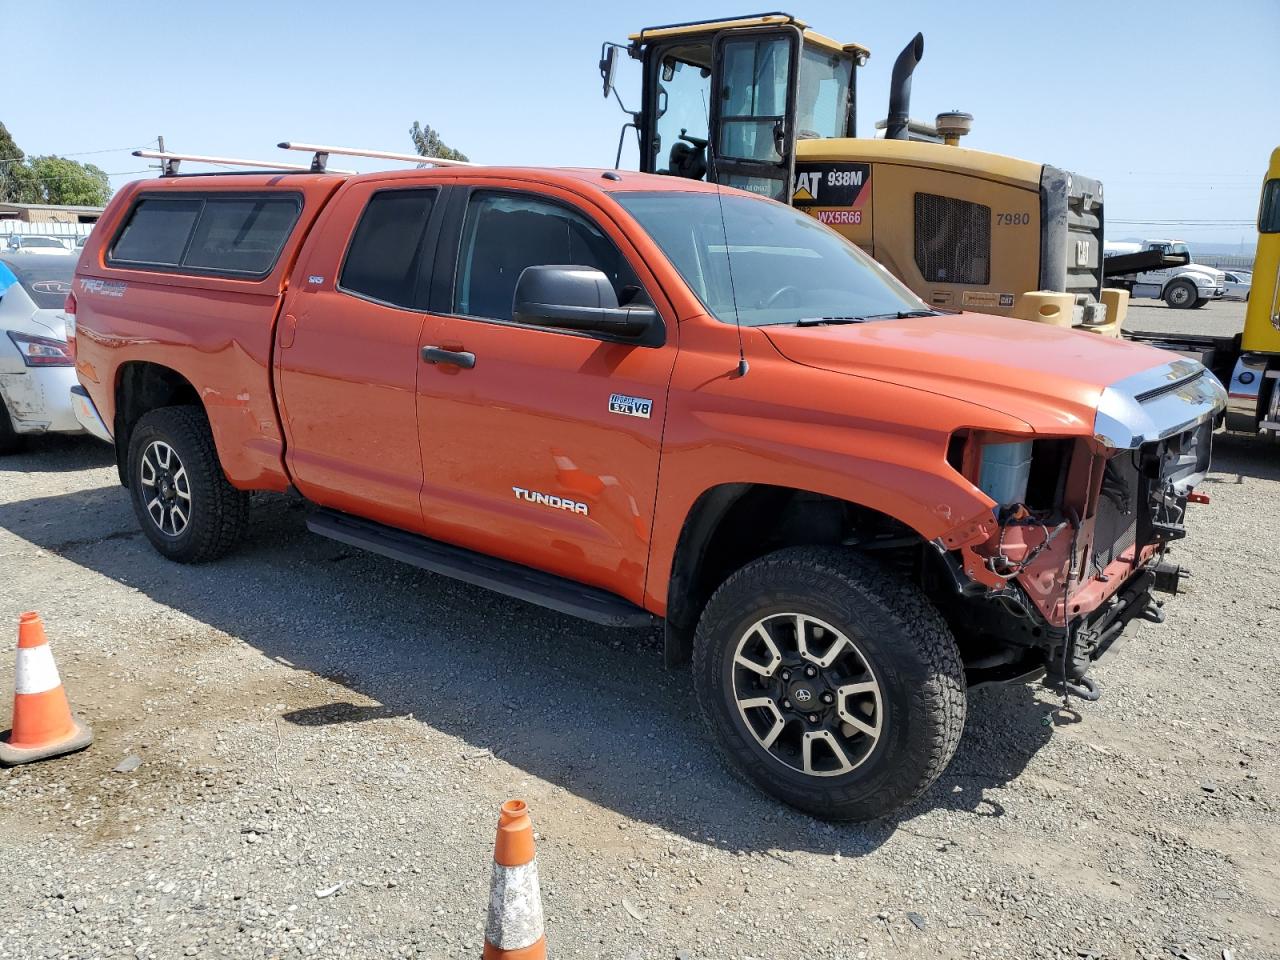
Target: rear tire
1181 295
184 503
854 739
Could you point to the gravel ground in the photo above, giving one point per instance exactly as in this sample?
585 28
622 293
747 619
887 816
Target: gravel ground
325 737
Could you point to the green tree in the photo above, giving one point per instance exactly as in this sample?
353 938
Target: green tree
48 179
62 181
427 143
16 183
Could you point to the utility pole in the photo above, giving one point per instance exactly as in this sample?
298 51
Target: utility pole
158 166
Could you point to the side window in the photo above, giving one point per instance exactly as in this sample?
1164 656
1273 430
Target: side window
232 235
383 260
505 233
240 236
157 232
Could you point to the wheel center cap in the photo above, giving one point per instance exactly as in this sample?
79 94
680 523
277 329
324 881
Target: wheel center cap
803 696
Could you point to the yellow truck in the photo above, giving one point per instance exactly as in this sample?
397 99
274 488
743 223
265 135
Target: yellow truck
1249 362
766 104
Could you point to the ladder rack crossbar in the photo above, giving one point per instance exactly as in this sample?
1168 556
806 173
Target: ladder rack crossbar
171 160
321 152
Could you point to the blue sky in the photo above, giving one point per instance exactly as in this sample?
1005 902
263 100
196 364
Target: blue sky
1172 106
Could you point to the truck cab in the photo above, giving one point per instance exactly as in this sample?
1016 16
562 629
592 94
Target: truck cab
1183 287
766 104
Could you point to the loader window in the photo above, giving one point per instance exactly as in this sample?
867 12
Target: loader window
1269 214
822 102
504 233
754 83
682 99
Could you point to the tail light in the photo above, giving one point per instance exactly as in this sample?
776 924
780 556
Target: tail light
42 351
69 311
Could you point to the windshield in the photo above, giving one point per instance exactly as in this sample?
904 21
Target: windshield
822 102
47 280
42 242
779 266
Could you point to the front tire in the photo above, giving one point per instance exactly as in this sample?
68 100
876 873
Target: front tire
1181 295
182 499
829 683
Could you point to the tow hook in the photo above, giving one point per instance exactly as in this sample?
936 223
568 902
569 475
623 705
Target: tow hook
1086 688
1154 612
1168 576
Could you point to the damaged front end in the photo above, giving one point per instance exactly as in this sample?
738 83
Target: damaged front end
1076 541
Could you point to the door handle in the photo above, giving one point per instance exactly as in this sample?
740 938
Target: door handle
457 358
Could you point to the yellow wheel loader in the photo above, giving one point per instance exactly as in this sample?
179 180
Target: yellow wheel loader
765 104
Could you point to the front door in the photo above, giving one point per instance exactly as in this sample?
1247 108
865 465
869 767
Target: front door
540 445
753 110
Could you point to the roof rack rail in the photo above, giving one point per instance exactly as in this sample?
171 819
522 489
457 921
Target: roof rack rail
170 161
322 155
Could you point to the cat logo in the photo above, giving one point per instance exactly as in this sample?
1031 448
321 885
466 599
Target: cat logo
831 184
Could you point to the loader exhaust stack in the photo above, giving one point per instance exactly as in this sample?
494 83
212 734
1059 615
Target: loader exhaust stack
900 89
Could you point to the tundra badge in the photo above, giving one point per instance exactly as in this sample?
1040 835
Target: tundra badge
620 403
550 500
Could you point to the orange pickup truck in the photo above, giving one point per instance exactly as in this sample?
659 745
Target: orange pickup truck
631 398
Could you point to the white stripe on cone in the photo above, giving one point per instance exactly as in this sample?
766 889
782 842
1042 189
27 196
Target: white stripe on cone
515 907
36 671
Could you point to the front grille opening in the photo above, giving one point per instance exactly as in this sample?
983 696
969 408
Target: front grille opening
1116 525
1047 482
953 240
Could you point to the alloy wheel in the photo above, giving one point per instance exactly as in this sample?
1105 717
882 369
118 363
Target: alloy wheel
167 490
807 694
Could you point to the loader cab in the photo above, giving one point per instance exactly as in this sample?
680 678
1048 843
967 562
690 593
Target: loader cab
726 101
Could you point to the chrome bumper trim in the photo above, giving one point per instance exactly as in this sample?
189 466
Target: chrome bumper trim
88 415
1158 403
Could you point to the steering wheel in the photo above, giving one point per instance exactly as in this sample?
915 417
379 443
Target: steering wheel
778 294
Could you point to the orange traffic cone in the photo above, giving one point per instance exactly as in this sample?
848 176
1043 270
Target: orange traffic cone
42 722
514 930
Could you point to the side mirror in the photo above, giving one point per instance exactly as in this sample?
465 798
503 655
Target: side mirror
608 64
577 298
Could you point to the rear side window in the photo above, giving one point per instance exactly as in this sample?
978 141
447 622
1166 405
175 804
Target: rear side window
384 260
232 235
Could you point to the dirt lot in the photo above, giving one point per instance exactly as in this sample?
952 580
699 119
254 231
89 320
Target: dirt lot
307 716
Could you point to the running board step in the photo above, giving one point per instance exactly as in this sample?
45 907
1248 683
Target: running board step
492 573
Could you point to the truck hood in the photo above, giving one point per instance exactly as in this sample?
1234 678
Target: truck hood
1049 377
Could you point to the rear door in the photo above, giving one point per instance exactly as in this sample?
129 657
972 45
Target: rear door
540 446
347 352
753 110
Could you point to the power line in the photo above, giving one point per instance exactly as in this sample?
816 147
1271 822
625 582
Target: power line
80 153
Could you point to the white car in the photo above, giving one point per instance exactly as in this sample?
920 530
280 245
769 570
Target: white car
37 370
21 242
1238 283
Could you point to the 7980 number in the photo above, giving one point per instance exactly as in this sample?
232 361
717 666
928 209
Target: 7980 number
1012 219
